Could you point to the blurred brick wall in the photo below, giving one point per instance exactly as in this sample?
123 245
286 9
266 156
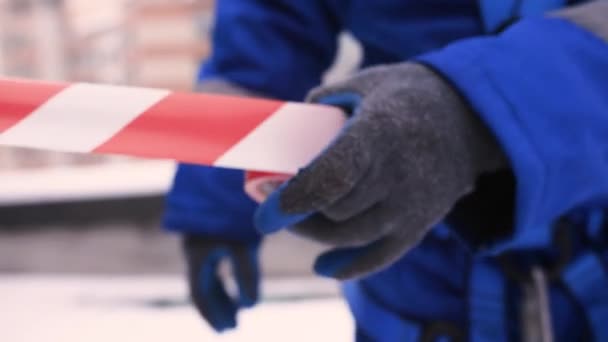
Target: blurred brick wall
156 43
167 41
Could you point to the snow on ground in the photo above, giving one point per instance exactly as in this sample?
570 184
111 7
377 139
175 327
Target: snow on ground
66 309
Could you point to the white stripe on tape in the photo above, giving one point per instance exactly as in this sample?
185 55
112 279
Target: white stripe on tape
81 117
287 140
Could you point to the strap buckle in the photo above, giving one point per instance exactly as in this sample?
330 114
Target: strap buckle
438 329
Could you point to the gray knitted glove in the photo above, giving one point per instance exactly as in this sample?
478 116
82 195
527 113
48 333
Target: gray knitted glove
411 150
592 16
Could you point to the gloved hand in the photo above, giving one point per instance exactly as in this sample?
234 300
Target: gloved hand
207 290
410 151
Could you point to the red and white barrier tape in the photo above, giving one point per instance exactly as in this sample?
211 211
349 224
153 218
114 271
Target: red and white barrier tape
224 131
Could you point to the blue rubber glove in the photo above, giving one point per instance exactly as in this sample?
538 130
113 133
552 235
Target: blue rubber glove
411 150
207 290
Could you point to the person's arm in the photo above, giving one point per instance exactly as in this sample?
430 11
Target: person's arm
542 88
277 48
420 143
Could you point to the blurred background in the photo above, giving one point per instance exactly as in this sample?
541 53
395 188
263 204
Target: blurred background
82 254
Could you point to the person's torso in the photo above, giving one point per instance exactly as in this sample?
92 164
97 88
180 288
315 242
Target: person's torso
435 282
395 30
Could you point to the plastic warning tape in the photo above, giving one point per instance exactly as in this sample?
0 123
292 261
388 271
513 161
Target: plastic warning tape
223 131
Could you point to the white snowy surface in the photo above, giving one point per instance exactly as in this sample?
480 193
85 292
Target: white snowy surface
106 309
91 182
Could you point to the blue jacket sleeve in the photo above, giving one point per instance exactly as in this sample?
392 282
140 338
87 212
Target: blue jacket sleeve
542 87
279 48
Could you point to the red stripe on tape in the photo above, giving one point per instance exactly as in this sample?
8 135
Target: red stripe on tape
19 98
193 128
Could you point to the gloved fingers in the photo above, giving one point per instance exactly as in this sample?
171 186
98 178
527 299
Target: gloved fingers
246 271
270 217
349 263
209 294
371 190
362 229
333 175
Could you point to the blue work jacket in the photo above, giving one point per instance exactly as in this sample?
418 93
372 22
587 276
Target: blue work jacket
540 85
